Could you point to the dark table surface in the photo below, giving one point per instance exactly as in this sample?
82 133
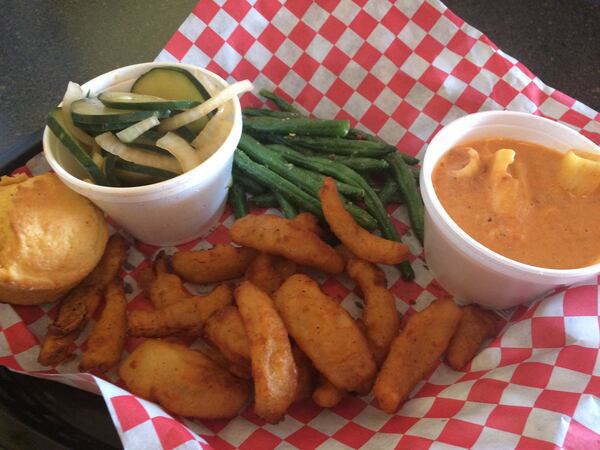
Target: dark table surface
46 43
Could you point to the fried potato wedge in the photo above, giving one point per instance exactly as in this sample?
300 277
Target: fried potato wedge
183 318
359 241
163 287
415 351
220 263
307 375
107 340
279 236
380 315
225 331
475 326
80 304
309 222
273 367
326 333
268 272
183 381
326 395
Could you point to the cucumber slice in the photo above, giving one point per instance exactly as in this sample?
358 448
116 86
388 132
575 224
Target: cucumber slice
93 111
186 133
173 83
132 100
56 124
145 170
150 147
109 171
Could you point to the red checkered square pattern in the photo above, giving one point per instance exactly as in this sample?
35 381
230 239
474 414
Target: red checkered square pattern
401 71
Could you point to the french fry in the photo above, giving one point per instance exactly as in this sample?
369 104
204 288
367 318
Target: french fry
107 340
185 382
359 241
80 304
225 331
326 333
220 263
326 395
380 315
279 236
415 351
183 318
273 368
163 287
268 272
475 326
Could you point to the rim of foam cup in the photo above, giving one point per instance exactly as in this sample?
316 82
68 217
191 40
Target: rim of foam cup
461 238
120 75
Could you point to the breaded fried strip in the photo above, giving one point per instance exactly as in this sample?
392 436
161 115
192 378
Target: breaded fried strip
359 241
475 325
306 375
415 351
107 340
163 287
326 333
225 330
220 263
380 315
268 272
309 222
279 236
183 318
326 395
273 367
80 304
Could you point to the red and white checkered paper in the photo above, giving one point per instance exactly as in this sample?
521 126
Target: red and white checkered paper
401 70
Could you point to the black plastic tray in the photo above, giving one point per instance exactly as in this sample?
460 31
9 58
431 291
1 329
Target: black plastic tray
42 414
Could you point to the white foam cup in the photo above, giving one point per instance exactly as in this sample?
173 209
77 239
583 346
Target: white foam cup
173 211
466 268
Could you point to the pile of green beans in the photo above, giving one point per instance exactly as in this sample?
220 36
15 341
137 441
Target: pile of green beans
284 156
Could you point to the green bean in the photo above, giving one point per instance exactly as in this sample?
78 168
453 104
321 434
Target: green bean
389 192
266 200
237 199
252 112
281 103
288 210
362 163
109 170
360 135
297 125
309 181
277 183
250 185
406 271
339 146
335 169
408 186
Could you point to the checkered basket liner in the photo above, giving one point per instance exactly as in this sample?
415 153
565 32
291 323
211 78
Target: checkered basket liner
401 70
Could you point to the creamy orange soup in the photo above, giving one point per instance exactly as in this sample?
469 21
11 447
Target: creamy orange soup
514 204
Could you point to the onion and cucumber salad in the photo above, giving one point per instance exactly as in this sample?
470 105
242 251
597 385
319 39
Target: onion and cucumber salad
153 133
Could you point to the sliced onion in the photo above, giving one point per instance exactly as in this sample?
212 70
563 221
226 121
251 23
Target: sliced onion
74 93
579 174
205 108
180 149
133 132
111 144
471 168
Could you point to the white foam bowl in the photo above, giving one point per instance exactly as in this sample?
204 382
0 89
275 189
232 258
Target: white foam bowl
466 268
173 211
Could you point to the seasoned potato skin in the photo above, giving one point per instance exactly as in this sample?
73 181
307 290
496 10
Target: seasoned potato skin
183 381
